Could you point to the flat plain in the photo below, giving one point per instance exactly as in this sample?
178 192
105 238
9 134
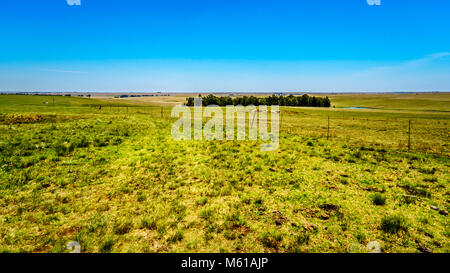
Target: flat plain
106 173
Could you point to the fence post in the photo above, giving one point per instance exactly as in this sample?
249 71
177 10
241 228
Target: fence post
254 115
161 111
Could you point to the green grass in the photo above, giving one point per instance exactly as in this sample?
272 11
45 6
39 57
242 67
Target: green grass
378 199
393 224
114 180
414 101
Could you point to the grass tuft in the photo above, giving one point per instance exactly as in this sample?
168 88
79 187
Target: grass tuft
378 199
393 224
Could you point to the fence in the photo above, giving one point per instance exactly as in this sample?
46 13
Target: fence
403 132
425 132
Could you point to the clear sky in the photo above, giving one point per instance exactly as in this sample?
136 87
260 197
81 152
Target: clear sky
225 45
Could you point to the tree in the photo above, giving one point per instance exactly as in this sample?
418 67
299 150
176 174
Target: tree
290 100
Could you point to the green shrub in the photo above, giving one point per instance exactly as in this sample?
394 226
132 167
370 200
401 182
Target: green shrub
206 214
149 223
259 201
202 201
82 142
393 224
361 236
141 197
107 245
378 199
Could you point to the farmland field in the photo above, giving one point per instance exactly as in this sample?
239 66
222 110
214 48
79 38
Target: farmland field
107 174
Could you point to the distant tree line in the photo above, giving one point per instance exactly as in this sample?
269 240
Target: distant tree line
138 96
44 94
290 100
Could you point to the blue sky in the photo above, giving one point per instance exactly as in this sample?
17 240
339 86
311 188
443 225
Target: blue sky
218 45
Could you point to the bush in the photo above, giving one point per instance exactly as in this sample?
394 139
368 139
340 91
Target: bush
378 199
100 142
141 197
107 245
393 224
82 142
206 214
235 220
202 201
149 223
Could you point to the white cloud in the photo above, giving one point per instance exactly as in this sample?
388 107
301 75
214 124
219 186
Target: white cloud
64 71
428 58
73 2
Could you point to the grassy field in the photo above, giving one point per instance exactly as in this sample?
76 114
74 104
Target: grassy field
107 174
414 101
